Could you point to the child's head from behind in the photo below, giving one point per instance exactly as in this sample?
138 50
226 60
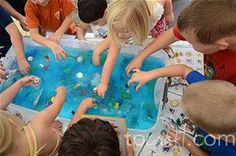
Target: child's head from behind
92 11
6 135
90 138
40 2
129 18
208 24
212 106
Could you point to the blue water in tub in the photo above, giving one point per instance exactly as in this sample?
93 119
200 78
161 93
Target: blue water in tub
121 101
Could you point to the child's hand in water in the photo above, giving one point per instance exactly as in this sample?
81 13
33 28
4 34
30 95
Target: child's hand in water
88 103
24 66
130 145
101 89
134 64
27 80
140 77
61 89
58 52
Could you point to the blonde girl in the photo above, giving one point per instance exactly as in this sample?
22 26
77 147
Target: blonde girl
40 136
128 19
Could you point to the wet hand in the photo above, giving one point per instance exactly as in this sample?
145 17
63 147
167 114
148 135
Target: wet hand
89 103
24 66
27 80
140 77
101 89
61 89
134 64
80 33
58 52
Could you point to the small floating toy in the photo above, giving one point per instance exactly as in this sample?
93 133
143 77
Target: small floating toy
79 59
176 152
41 65
50 101
77 86
79 75
84 92
174 103
30 58
95 90
117 105
37 81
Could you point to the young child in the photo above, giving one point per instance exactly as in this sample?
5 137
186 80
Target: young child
7 23
40 136
198 101
91 137
91 13
53 16
217 40
126 19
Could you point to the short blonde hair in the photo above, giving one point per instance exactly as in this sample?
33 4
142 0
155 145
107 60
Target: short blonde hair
135 16
212 106
6 135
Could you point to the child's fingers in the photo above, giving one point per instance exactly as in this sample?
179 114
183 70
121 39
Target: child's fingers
139 86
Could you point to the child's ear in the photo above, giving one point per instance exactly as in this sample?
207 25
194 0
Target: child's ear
222 44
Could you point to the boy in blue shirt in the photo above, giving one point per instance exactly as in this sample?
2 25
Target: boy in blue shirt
210 104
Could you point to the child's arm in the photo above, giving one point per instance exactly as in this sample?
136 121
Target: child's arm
56 49
170 71
158 43
183 140
81 30
47 116
15 14
107 68
60 31
82 109
16 40
168 11
101 47
7 96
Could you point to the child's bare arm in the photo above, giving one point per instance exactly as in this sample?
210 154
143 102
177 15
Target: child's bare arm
158 43
56 49
62 29
17 42
170 71
7 96
47 116
82 109
168 11
101 47
107 68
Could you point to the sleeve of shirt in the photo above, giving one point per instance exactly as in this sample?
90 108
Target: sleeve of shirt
194 77
67 7
5 18
31 16
178 34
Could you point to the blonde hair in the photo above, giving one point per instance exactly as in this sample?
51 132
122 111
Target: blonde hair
135 15
6 135
212 106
